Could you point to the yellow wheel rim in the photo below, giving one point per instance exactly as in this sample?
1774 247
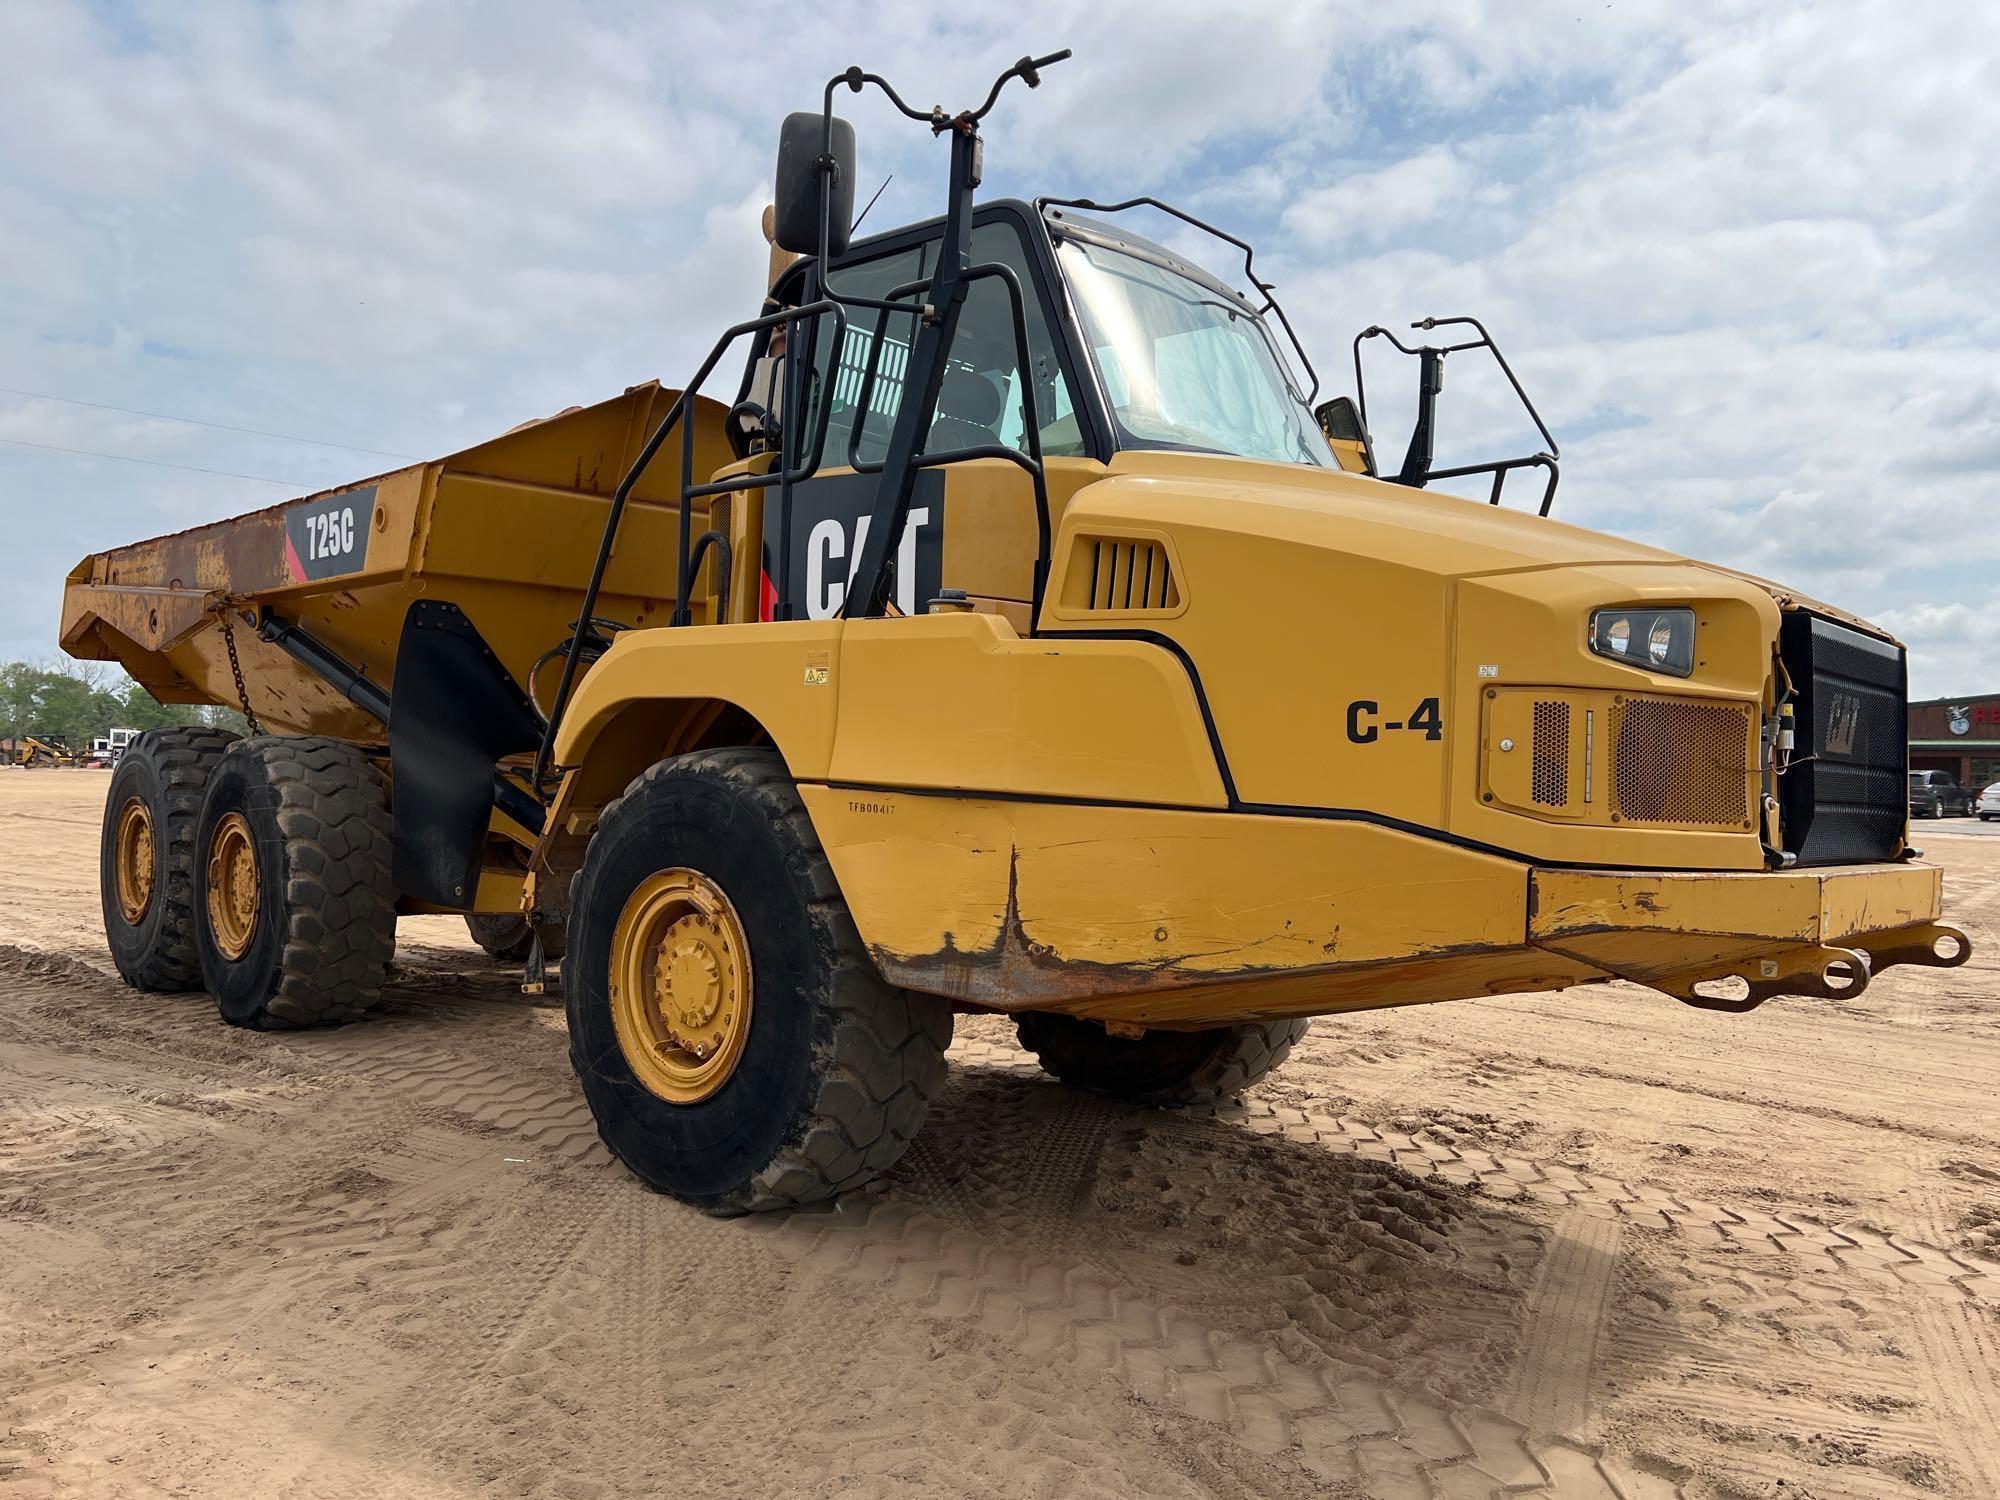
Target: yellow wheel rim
232 886
133 860
680 985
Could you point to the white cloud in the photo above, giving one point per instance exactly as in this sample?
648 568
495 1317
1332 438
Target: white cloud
1376 206
1951 645
1743 258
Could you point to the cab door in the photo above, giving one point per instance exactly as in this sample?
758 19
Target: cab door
971 525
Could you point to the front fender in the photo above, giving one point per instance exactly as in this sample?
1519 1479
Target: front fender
780 673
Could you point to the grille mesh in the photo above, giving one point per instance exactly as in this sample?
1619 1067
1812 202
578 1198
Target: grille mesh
1550 786
1131 575
1679 762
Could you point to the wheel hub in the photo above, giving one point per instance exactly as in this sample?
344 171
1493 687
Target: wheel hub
694 960
133 860
680 985
233 896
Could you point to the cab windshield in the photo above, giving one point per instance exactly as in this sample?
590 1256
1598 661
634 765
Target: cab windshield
1183 365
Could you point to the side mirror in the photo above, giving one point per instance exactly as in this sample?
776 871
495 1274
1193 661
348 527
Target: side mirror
1340 422
1339 419
795 225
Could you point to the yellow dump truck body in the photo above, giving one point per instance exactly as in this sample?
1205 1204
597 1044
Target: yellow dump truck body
1021 638
507 530
1042 654
1276 775
981 844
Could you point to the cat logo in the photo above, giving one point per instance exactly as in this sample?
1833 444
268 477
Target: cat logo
1842 720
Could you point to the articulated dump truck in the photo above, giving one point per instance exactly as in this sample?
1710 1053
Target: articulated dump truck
1019 639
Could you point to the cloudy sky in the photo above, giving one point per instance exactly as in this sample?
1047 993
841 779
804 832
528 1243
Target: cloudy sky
1746 256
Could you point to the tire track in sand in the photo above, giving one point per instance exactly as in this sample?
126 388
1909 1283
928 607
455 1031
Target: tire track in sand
1961 1356
1344 1424
967 1236
1566 1312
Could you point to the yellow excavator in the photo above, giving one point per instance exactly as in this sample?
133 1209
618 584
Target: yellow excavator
1024 636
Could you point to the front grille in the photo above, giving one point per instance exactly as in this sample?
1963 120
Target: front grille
1550 779
1676 760
1846 795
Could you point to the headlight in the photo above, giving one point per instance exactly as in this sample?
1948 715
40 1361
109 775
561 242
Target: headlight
1658 640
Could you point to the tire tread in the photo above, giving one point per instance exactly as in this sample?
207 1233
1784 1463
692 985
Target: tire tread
860 1123
185 758
1070 1051
333 811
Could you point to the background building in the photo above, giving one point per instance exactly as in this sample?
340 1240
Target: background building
1959 735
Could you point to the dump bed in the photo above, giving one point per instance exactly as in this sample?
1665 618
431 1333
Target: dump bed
506 530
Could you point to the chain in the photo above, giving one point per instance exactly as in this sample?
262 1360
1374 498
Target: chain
236 669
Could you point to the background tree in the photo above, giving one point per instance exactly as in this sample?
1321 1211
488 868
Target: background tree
79 701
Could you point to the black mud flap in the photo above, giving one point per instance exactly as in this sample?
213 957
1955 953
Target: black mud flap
458 710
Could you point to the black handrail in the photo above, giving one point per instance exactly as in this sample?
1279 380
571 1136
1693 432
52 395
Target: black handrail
1433 365
1500 470
675 414
785 475
702 544
1030 418
794 465
867 391
1484 341
1028 70
1269 290
936 319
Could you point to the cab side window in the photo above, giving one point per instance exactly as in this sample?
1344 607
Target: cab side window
980 402
843 384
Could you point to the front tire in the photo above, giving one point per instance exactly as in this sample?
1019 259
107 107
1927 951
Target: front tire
295 906
146 857
1169 1069
736 1044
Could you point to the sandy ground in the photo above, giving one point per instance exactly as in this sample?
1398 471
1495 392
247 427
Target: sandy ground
1593 1245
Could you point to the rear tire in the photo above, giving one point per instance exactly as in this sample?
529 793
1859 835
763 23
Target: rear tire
822 1072
1170 1069
155 801
307 908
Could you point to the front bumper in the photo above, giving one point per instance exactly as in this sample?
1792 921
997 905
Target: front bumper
1183 918
1730 941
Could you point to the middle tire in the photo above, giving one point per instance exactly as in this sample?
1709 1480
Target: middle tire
295 905
1171 1069
735 1042
509 937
